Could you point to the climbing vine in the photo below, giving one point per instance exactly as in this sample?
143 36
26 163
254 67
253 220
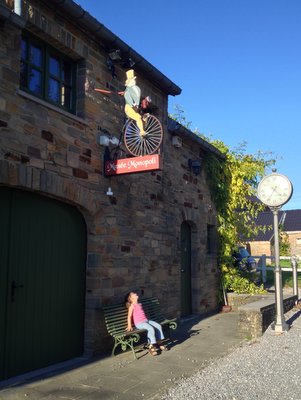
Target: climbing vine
232 184
284 243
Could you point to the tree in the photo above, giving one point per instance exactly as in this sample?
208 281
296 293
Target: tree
232 185
284 243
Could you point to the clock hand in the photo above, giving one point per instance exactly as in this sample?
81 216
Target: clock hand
271 194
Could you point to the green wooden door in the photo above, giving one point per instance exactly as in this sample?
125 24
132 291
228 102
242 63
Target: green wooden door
4 249
185 269
42 284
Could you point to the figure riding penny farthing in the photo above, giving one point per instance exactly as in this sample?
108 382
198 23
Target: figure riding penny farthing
142 132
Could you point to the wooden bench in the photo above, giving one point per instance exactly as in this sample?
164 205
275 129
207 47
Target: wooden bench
116 322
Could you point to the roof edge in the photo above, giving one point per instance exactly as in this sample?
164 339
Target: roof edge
178 129
91 24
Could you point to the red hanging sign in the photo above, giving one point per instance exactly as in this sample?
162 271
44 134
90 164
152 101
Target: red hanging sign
132 165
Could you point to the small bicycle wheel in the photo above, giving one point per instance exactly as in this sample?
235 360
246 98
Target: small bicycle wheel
139 145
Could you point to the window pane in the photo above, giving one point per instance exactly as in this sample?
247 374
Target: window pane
35 56
54 67
23 75
46 73
54 90
35 81
66 72
23 49
66 97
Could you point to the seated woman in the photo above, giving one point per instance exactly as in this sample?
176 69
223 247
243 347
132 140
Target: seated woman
137 314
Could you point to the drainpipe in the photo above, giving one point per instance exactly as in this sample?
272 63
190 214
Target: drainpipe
18 7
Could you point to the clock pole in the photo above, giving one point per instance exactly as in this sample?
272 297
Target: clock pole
279 325
275 190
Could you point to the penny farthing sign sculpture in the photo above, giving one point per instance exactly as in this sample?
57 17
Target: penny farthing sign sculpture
142 132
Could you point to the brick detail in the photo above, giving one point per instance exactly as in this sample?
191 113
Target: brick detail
47 136
3 124
80 173
125 249
87 152
34 152
85 160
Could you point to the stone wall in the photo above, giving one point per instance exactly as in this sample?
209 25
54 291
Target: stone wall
257 315
260 248
295 243
133 237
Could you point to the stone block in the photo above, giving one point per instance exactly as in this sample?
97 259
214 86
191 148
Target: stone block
67 171
47 135
94 260
33 152
80 173
72 159
3 103
92 284
35 179
10 75
73 132
95 178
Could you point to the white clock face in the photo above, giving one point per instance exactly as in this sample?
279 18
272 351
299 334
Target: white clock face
274 190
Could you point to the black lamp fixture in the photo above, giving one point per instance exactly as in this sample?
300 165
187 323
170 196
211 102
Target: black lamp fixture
195 166
115 57
127 63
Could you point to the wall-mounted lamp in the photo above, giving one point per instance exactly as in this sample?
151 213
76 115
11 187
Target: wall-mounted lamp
195 166
105 140
176 141
115 55
127 63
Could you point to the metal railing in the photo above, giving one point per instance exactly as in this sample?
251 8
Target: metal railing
261 262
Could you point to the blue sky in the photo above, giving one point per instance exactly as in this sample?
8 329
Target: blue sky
238 63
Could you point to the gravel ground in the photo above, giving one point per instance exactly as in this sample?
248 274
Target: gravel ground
269 368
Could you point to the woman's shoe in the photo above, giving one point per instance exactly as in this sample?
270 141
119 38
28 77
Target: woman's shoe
152 350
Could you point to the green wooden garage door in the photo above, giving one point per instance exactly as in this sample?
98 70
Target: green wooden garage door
42 282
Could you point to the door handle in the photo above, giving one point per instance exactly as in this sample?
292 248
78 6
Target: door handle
182 270
13 288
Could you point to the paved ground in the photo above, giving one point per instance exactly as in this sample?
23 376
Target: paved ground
122 377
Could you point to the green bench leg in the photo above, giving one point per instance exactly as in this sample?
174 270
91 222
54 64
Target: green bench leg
125 342
172 326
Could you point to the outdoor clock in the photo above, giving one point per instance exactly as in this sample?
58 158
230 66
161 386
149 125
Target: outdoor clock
274 190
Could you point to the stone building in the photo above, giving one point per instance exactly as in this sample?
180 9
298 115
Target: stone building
73 238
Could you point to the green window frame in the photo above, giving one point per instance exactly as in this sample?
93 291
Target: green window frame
47 74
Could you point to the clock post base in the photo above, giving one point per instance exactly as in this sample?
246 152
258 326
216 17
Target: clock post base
280 327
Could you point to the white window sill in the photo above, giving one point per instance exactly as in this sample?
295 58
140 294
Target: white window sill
51 107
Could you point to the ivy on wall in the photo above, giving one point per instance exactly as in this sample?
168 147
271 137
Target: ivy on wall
232 184
232 181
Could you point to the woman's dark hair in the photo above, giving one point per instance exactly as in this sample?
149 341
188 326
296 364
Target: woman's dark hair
126 299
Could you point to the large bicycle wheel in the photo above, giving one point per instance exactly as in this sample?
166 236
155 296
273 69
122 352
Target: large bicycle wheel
149 143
